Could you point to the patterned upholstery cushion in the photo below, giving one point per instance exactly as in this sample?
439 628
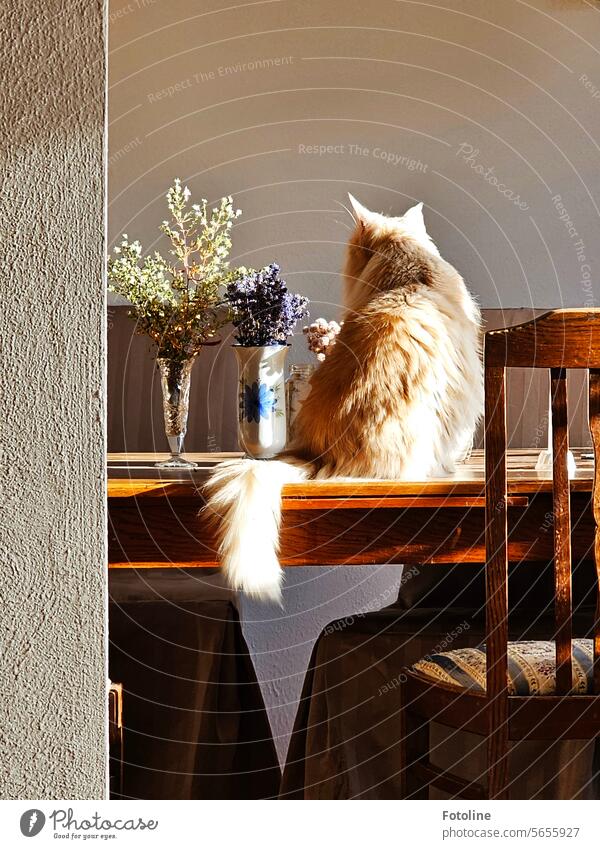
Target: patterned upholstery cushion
531 668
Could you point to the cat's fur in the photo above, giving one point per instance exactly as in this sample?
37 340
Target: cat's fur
398 397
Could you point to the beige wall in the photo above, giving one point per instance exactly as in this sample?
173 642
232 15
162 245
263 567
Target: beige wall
240 98
52 531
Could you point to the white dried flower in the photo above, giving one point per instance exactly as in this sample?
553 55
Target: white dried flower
321 336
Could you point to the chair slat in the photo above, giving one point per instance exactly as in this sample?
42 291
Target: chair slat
496 577
594 418
569 338
562 532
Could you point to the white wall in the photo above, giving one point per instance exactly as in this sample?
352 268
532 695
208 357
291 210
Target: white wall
403 78
288 105
53 526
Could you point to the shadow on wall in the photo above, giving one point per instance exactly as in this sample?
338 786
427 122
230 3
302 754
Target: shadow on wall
135 420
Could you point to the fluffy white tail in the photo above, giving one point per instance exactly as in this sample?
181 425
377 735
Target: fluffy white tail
244 497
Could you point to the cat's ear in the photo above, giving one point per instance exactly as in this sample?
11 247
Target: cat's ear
363 215
414 222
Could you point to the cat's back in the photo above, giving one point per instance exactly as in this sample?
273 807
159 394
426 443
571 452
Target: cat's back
407 348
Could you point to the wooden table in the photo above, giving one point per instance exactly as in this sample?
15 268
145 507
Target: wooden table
154 521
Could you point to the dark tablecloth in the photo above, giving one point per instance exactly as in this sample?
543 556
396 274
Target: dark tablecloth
194 717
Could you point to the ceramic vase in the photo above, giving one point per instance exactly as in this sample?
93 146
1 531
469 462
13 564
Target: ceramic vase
261 400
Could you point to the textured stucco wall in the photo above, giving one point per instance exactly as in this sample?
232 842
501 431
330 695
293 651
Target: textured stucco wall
52 522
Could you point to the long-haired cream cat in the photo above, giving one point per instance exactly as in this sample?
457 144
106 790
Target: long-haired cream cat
398 397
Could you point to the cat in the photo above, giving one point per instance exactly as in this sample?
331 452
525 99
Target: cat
398 397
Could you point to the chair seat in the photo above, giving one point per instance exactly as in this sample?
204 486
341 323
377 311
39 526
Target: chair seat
531 668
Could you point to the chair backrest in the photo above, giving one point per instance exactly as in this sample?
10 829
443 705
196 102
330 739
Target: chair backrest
558 340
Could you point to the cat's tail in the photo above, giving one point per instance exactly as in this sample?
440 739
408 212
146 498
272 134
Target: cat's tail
244 500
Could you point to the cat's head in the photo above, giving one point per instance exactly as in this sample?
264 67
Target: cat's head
374 234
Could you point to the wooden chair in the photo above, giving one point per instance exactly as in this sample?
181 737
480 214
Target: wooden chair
558 340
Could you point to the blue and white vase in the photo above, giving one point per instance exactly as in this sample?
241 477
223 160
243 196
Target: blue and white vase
261 418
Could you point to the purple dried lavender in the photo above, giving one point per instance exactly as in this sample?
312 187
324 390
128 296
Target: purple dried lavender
263 311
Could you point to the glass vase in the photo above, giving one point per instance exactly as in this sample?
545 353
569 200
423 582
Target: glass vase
175 379
261 400
297 388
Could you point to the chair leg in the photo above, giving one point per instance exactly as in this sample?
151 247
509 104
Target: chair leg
414 747
497 770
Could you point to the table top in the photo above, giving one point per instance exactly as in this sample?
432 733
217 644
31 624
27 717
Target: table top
156 522
134 475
